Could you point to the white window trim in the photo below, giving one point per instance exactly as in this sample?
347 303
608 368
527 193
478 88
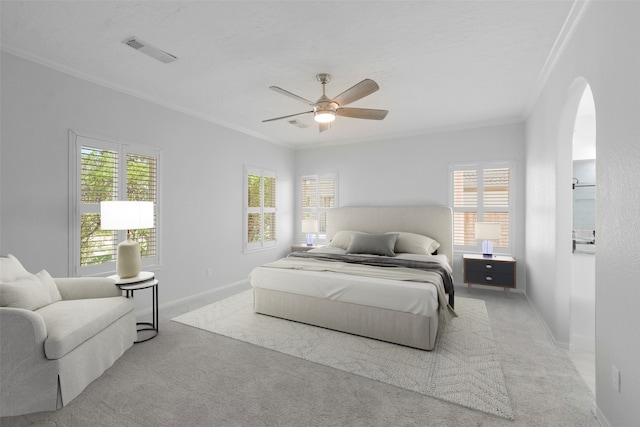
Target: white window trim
262 244
318 238
480 166
76 141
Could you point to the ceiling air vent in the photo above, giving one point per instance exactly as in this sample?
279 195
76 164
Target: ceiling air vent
298 124
150 50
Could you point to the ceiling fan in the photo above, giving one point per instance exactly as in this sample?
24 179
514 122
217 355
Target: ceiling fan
325 110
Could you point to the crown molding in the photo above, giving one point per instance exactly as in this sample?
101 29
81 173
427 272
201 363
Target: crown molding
118 88
566 32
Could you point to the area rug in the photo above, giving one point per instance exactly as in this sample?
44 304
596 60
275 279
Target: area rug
463 368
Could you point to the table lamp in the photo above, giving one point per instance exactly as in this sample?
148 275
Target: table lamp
127 215
487 231
309 226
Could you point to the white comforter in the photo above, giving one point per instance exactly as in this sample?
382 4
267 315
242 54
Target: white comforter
407 295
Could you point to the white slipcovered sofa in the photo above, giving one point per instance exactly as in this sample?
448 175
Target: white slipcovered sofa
56 336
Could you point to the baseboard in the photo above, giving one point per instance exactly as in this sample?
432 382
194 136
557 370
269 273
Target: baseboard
599 416
559 344
195 299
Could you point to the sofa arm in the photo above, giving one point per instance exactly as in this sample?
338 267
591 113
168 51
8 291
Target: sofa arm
87 287
29 380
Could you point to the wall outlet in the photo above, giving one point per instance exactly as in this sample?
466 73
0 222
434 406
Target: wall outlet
209 272
615 378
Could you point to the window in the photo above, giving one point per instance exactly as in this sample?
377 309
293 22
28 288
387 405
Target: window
317 196
108 170
481 192
260 209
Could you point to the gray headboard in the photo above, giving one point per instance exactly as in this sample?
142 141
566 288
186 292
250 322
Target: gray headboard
433 221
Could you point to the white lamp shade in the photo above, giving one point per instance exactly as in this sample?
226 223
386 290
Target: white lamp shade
309 226
487 230
126 215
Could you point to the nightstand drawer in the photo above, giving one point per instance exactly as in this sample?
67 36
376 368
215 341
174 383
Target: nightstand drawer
489 266
489 278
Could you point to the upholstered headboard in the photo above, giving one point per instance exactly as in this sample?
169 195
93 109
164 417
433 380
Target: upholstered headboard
432 221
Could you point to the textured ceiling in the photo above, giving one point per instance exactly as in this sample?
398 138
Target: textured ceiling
439 64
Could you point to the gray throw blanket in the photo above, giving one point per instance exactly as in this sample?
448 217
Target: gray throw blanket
432 266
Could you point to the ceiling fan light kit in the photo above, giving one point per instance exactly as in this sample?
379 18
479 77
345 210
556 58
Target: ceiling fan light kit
326 109
325 116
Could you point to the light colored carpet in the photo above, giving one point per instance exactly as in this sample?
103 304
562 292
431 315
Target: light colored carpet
463 368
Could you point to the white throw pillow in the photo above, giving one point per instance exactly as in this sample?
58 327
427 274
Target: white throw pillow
11 269
30 291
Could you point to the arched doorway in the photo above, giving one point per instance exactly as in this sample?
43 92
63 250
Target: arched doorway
584 237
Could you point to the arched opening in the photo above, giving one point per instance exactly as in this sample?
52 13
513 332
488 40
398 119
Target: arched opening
584 237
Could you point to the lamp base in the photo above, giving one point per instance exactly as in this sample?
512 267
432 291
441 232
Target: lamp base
309 239
129 259
487 249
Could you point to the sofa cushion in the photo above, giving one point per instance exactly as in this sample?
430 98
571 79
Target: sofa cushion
72 322
29 291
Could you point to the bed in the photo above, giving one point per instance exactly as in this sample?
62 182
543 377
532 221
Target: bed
358 293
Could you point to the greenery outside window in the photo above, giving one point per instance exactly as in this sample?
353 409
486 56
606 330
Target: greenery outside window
107 170
260 209
317 195
481 193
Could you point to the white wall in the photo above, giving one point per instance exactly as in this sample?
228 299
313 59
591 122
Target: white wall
201 176
604 52
415 170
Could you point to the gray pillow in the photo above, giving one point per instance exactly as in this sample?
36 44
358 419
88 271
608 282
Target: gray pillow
373 244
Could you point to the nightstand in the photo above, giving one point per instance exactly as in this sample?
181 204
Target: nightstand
144 280
490 271
304 248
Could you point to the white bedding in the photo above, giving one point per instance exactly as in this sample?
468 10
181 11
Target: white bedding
405 296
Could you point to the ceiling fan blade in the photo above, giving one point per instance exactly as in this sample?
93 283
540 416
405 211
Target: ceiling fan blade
291 95
359 91
285 117
324 126
362 113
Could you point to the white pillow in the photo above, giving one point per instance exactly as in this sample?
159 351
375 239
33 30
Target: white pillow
29 291
10 268
342 239
415 243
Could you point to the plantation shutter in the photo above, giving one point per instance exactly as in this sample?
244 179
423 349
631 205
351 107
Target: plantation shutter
98 182
142 179
260 209
480 194
318 195
106 170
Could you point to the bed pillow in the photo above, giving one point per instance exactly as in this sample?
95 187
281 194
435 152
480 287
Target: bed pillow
415 244
342 239
29 291
373 244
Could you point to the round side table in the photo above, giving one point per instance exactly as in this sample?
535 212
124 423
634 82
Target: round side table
145 280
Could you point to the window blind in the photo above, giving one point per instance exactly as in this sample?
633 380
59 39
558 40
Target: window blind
318 195
481 193
260 209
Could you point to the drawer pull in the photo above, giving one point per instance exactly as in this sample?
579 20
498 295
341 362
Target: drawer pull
489 266
488 278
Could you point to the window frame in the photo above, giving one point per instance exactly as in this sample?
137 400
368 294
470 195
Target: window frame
315 212
480 167
77 140
262 244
